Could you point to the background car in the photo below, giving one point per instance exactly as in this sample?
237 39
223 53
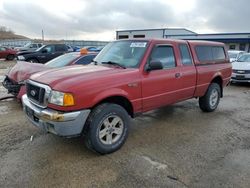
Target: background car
14 81
43 54
234 55
7 53
76 48
29 47
70 49
241 69
92 49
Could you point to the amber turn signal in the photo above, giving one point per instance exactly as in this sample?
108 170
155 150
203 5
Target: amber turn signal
68 100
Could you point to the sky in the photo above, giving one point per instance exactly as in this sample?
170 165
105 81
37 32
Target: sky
99 19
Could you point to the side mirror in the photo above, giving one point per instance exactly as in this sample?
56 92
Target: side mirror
44 51
154 65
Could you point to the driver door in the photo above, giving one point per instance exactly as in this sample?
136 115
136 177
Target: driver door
159 86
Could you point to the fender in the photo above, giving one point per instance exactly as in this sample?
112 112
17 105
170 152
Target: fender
109 93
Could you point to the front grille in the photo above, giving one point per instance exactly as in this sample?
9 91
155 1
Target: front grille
241 71
38 93
240 78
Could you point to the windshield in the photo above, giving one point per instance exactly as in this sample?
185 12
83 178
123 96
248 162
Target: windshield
232 55
38 49
244 58
27 45
62 60
123 53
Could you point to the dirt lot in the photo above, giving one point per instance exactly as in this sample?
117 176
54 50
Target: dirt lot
175 146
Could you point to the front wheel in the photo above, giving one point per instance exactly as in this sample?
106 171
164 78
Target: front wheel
107 128
10 57
211 99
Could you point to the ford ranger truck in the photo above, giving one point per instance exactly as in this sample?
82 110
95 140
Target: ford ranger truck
127 78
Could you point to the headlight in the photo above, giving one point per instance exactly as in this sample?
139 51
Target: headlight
21 58
61 99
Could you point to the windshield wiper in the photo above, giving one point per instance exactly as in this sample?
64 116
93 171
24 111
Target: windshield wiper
114 63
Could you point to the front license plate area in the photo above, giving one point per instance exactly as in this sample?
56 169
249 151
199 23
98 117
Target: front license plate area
29 112
240 76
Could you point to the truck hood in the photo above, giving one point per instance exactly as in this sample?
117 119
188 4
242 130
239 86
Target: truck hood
66 77
241 66
22 70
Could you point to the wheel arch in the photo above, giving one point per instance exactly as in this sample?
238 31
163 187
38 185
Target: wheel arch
218 79
117 99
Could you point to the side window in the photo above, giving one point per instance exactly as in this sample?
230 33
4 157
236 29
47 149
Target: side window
33 46
49 48
85 60
165 55
210 53
185 55
39 45
2 49
218 53
204 53
61 48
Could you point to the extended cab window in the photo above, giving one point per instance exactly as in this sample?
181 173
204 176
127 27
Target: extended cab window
185 55
165 55
210 53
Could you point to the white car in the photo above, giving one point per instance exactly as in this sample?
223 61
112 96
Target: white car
234 55
241 69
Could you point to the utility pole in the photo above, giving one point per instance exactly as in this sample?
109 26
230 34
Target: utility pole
42 35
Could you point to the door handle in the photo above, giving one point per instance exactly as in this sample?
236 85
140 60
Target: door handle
177 75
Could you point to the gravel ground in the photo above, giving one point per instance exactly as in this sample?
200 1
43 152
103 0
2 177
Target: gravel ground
174 146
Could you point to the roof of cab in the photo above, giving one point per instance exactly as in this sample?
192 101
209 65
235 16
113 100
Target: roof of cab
194 42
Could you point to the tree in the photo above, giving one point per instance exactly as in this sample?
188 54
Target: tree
4 29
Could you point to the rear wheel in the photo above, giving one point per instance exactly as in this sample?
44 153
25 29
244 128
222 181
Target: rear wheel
10 57
33 61
211 99
107 128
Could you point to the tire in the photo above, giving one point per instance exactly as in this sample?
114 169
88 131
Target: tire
33 60
103 137
210 101
10 57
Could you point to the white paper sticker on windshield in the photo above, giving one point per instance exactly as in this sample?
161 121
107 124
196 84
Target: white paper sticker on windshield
138 45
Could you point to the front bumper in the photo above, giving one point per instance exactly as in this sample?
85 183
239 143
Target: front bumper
242 78
63 124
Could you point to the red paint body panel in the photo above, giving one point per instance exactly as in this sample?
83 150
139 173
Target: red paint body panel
23 70
8 51
145 90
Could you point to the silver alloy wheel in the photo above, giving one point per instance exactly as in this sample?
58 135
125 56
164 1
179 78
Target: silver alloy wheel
213 99
111 129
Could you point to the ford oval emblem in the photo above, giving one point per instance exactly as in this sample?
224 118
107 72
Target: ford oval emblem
33 93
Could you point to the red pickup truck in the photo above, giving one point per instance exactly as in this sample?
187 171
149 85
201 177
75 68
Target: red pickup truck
127 78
